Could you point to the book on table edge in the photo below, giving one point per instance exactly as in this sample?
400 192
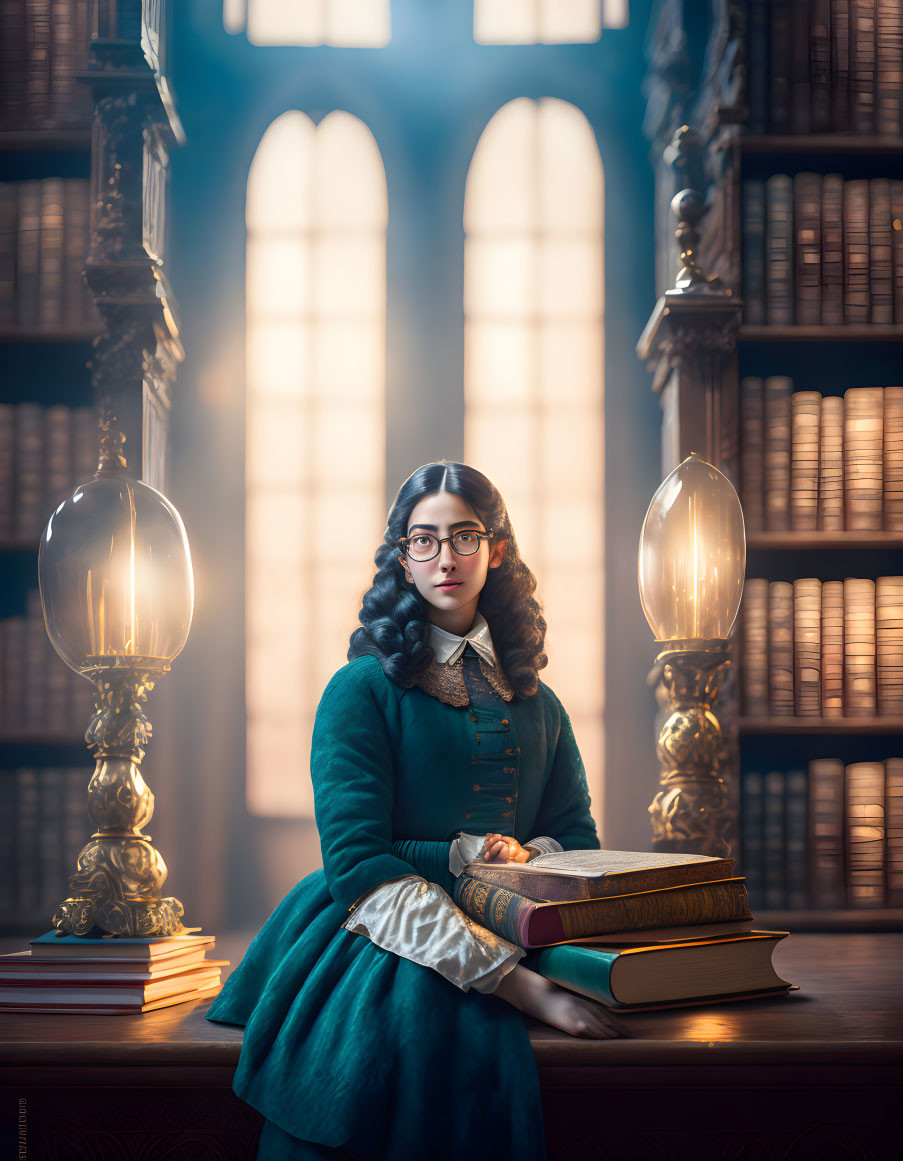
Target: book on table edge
124 1010
117 947
22 963
104 991
703 1001
530 924
680 934
693 971
566 876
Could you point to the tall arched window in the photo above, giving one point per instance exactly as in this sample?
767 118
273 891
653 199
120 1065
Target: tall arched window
350 23
315 443
545 21
534 377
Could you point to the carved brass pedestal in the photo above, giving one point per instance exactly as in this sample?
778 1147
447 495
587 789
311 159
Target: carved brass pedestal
690 812
117 887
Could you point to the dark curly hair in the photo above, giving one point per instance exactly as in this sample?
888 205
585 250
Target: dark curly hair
394 617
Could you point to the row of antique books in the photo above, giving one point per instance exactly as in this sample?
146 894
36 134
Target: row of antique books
44 824
814 648
43 45
44 229
631 929
820 462
40 693
827 837
44 453
824 66
109 975
819 249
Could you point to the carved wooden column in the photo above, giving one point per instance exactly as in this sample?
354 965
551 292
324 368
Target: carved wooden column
134 127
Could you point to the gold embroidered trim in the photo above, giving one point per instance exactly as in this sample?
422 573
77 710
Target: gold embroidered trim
446 682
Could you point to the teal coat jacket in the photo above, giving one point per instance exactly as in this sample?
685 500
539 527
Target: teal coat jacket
348 1046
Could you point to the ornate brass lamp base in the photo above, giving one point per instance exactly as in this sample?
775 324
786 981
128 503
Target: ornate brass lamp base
690 812
120 873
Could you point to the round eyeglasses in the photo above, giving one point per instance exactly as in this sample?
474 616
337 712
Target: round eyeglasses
424 546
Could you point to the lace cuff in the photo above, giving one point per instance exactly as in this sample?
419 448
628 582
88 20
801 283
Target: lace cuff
464 850
419 921
542 846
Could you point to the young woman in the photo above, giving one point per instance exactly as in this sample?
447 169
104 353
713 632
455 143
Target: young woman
380 1021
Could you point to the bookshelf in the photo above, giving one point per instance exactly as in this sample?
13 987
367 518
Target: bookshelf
708 106
88 327
849 333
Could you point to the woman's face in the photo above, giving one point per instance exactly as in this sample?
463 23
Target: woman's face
450 583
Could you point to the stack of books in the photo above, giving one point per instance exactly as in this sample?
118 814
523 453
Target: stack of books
824 837
633 930
823 66
823 648
109 975
821 249
820 462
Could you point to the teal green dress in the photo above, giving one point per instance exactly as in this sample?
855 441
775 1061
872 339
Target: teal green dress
350 1050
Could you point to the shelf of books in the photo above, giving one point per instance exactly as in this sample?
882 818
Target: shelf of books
815 173
47 442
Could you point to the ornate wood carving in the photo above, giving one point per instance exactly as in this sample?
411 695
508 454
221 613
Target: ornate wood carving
134 127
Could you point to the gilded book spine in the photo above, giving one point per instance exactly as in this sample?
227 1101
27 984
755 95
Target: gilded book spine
699 903
530 924
502 911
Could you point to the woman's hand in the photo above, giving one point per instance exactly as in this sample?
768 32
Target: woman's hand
502 848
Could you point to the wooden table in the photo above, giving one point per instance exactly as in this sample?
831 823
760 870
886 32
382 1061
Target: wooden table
811 1076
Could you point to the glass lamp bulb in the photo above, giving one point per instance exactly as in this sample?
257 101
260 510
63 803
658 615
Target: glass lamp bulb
692 556
115 575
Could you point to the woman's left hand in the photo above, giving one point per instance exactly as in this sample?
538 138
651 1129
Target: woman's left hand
502 848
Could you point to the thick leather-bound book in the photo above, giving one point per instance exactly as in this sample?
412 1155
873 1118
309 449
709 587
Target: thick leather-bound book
780 46
799 87
805 421
753 241
893 797
832 649
881 270
820 64
807 248
779 249
529 923
807 646
826 832
778 426
773 821
734 967
896 209
752 451
757 75
207 992
830 464
856 251
893 453
865 834
796 852
152 947
566 876
863 51
780 648
888 71
840 64
832 252
754 635
860 648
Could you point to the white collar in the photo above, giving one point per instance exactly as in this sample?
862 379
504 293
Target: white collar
448 647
